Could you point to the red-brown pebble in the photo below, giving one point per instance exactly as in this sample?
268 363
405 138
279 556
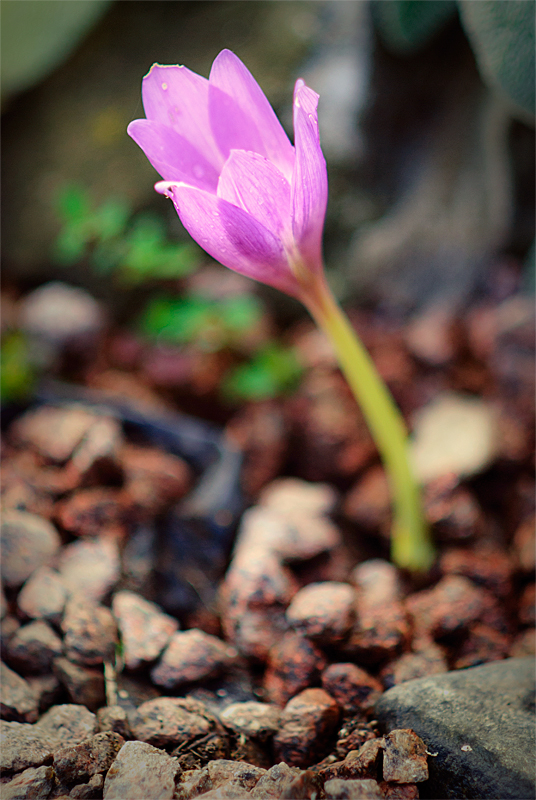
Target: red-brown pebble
527 605
294 664
308 722
362 763
399 791
53 432
192 656
33 648
154 479
524 544
486 566
429 660
368 503
323 611
89 512
90 632
168 722
84 685
450 606
483 644
90 567
452 510
404 758
354 689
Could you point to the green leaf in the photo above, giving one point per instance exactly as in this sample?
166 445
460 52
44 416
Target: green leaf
73 204
110 219
273 371
18 374
407 25
241 312
501 33
178 320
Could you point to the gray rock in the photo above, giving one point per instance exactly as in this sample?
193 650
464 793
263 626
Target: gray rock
275 780
28 541
145 629
92 790
59 314
34 647
141 772
32 784
17 700
67 725
43 596
167 721
479 721
114 718
22 746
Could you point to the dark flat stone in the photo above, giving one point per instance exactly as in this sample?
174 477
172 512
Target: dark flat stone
479 721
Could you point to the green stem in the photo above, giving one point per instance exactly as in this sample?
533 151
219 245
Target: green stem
411 546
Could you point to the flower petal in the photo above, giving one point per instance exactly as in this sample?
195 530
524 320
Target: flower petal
177 97
251 182
230 75
232 236
172 155
310 180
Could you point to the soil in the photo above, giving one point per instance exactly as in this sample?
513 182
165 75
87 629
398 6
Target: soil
118 489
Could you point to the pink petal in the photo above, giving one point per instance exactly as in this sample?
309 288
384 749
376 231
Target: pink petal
251 182
310 180
231 76
177 97
232 236
172 155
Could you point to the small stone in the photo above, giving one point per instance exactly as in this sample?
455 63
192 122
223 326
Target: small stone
17 700
362 763
524 544
145 629
308 722
430 335
61 314
429 660
399 791
450 606
482 645
98 453
141 772
43 596
192 656
377 583
352 736
114 718
275 781
524 644
89 512
453 510
32 784
352 789
28 542
90 568
67 725
368 503
490 708
489 567
154 479
8 629
292 496
90 632
294 664
355 691
84 685
33 648
78 763
323 611
527 605
168 722
252 719
92 790
404 757
237 773
22 746
455 433
47 690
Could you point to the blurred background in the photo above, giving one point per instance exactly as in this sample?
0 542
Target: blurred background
427 124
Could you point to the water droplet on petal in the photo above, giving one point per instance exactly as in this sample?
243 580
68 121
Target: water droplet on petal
164 86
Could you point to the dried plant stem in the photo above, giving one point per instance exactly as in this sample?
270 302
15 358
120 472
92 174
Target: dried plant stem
411 546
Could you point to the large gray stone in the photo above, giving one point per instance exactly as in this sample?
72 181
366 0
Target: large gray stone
479 721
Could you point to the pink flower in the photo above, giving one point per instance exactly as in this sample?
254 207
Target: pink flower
246 195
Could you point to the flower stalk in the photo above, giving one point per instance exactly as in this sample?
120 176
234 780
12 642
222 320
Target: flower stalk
256 203
411 545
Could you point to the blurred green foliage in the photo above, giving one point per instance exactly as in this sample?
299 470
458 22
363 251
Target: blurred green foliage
273 370
134 248
501 34
18 374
